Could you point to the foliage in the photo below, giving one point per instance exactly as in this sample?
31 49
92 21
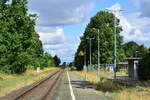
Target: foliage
104 22
72 68
114 89
101 83
144 67
57 60
47 60
132 49
108 85
70 64
20 44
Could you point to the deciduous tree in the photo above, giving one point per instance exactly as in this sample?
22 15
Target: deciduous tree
104 22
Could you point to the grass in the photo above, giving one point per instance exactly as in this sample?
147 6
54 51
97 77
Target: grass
10 82
113 89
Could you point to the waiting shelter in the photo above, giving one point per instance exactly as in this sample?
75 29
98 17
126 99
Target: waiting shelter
133 67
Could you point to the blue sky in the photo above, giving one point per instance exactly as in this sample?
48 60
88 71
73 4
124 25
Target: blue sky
61 22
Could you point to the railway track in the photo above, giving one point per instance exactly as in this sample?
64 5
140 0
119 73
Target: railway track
41 90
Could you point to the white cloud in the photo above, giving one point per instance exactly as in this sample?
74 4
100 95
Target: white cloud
115 7
56 43
135 27
60 12
65 50
55 35
54 13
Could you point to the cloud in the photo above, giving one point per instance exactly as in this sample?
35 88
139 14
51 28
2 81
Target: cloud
65 50
135 27
143 6
115 7
51 35
56 43
60 12
55 13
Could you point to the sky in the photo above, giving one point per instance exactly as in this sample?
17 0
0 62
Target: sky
60 23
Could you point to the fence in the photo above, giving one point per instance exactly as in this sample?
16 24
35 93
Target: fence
109 67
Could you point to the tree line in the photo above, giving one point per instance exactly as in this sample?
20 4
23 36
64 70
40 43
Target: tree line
20 47
103 22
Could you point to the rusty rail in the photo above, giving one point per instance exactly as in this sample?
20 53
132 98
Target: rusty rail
42 81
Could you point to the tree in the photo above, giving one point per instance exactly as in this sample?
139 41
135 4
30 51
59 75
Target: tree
132 49
57 60
20 44
104 21
144 67
47 60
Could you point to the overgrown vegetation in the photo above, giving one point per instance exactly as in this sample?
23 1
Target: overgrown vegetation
116 90
20 47
144 67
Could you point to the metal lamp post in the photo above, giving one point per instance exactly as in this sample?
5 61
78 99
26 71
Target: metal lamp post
115 57
85 68
98 60
98 53
90 48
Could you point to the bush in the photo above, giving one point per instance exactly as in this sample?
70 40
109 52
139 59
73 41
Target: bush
20 64
5 69
144 68
108 85
73 68
47 61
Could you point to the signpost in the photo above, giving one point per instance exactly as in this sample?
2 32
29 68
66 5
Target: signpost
81 53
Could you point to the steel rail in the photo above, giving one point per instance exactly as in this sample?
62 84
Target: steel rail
52 86
38 84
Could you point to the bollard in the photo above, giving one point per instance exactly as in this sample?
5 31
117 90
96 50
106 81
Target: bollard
38 69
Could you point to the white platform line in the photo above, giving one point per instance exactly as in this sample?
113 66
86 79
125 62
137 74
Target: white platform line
71 90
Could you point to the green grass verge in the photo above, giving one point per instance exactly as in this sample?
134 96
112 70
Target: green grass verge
9 83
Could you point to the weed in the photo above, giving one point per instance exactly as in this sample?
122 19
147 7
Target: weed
114 89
